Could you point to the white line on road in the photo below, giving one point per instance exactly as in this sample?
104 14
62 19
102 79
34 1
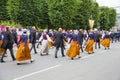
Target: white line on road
40 71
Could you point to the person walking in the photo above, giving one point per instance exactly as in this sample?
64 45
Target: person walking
23 52
8 44
80 39
44 43
74 48
59 42
33 39
90 43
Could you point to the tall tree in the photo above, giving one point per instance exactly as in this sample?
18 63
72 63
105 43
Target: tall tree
112 17
104 18
84 13
42 6
62 12
3 10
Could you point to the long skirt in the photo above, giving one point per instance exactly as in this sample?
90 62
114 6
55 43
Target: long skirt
23 55
1 50
89 46
105 42
50 44
73 50
44 46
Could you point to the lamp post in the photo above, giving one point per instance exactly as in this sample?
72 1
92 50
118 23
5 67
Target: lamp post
91 23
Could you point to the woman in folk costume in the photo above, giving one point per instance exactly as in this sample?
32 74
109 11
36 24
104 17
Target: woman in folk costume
23 52
1 49
44 40
73 50
90 43
106 40
50 44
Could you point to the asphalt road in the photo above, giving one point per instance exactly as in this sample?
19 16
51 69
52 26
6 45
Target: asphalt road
102 65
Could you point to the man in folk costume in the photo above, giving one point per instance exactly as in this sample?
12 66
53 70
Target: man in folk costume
106 40
1 49
23 52
97 38
59 42
90 43
8 43
33 39
80 39
74 48
14 35
44 41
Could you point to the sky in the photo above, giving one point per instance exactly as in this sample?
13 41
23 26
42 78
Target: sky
110 3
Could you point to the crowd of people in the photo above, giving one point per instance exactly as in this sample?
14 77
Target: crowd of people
78 41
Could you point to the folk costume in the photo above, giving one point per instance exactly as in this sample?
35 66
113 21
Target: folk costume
23 52
105 41
74 48
90 43
44 41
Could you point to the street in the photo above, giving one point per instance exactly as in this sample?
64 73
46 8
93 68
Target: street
102 65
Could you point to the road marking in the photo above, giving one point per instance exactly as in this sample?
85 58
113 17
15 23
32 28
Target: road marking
40 71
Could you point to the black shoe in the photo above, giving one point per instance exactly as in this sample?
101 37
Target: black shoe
14 59
79 57
56 57
41 54
47 54
2 61
89 53
63 55
105 48
18 63
72 58
32 60
35 52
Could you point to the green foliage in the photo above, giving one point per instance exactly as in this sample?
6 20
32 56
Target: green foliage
62 12
112 17
3 10
68 14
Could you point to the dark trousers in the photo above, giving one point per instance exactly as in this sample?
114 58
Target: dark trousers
62 51
11 52
96 44
33 46
81 47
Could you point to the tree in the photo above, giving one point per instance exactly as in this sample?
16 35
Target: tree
13 9
62 13
84 13
104 18
24 12
112 17
96 14
42 6
3 10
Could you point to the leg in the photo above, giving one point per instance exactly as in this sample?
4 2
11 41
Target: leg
38 45
34 48
62 51
31 47
56 52
95 45
4 52
12 54
81 47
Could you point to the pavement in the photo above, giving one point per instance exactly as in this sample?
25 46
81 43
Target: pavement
102 65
